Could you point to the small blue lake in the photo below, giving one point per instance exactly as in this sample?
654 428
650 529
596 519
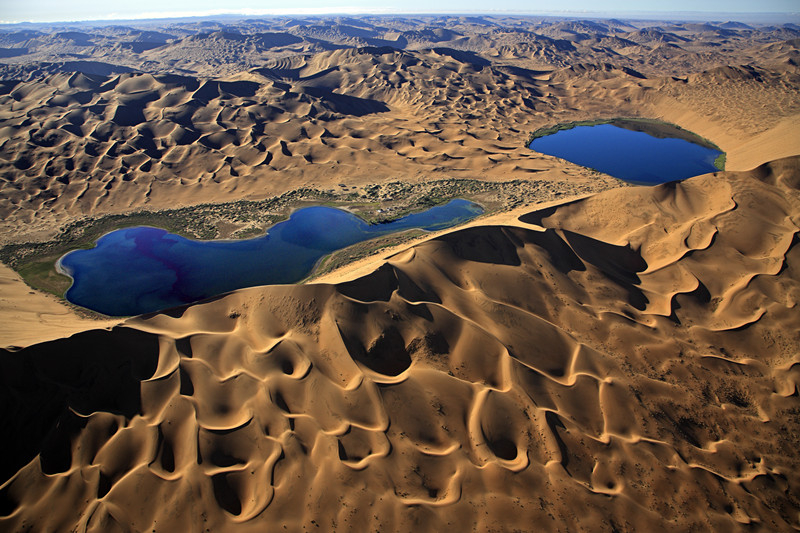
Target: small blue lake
140 270
630 155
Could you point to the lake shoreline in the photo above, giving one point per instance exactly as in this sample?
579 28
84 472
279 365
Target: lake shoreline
654 127
142 269
638 152
35 261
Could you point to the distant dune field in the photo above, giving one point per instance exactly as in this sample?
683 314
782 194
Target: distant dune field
601 358
249 119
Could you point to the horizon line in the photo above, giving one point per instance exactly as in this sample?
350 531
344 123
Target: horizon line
314 12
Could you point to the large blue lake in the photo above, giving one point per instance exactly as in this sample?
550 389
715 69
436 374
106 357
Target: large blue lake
139 270
634 156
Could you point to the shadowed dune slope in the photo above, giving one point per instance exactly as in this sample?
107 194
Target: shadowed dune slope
76 145
633 366
210 48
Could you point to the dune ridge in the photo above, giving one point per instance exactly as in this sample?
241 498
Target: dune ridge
622 361
580 368
209 48
364 102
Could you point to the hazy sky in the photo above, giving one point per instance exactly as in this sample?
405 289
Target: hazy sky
65 10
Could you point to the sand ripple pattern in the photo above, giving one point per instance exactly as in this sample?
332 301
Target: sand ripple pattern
76 145
635 376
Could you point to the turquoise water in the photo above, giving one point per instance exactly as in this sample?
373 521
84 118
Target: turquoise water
140 270
629 155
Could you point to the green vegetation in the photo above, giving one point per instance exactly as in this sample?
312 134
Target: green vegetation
353 253
719 162
42 275
376 203
250 233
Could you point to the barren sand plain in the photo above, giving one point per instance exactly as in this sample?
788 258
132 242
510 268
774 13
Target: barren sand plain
588 357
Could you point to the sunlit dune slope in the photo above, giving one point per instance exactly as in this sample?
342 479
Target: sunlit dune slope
30 317
79 145
74 145
633 366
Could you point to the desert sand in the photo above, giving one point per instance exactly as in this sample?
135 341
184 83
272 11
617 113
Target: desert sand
575 370
30 316
603 358
78 145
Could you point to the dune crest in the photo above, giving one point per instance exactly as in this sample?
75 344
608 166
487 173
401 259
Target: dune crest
577 369
196 115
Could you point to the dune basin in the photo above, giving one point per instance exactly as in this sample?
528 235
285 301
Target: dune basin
588 354
634 151
142 269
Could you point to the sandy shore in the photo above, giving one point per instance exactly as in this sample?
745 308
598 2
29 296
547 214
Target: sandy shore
30 316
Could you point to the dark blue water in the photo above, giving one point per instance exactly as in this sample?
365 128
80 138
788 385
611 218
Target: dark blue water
629 155
139 270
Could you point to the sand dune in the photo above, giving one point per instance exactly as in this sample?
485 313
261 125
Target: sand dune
78 145
589 367
117 144
622 361
215 48
30 317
